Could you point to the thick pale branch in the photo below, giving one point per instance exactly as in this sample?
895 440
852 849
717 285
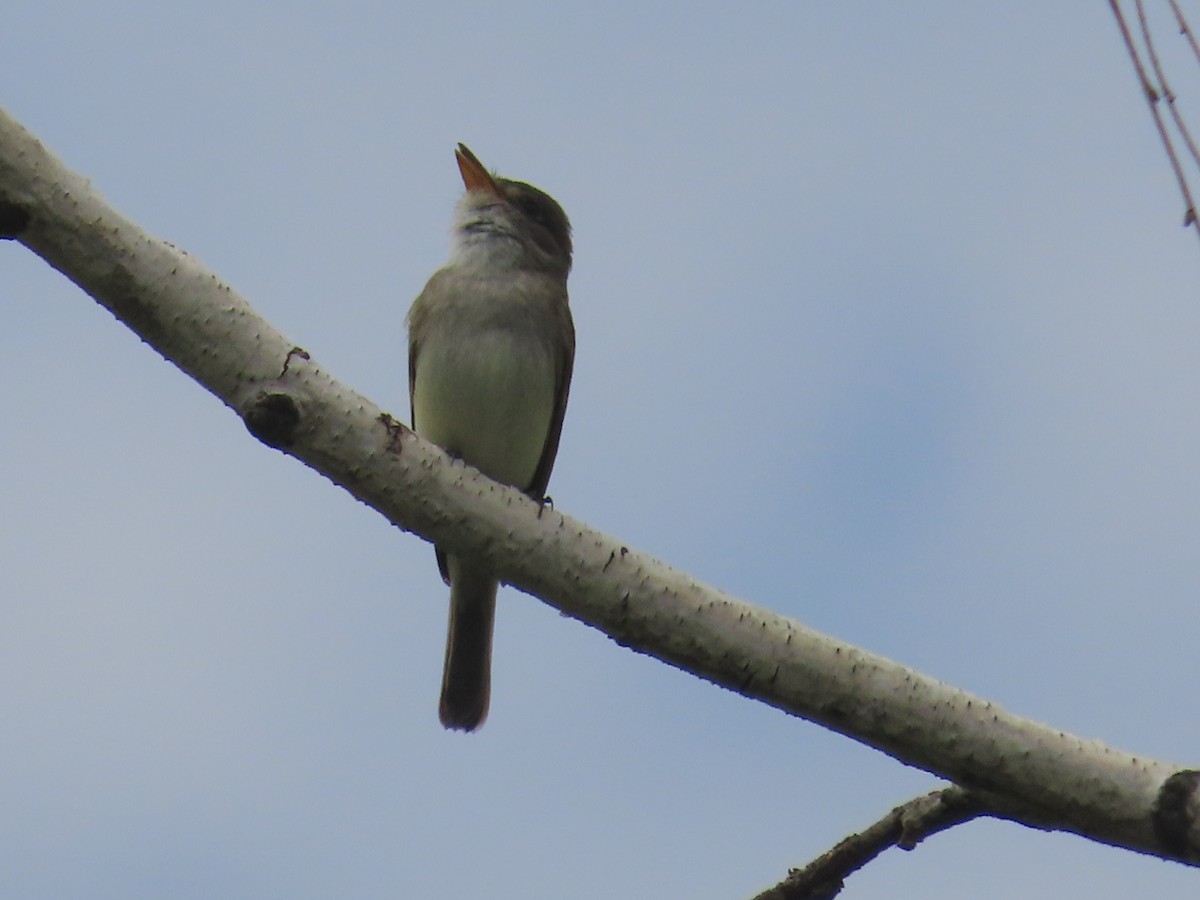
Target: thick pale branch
1019 769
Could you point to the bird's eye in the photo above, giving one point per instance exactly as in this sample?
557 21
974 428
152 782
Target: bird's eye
532 208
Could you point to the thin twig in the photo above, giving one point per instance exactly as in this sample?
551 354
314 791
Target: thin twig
903 827
1186 30
1164 88
1152 97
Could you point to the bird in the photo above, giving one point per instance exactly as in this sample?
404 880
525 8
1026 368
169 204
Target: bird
491 348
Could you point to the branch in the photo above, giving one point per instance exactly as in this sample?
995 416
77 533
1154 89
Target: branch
1164 87
904 827
1185 30
1022 770
1153 94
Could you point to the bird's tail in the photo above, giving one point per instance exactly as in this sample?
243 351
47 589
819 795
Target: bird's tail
466 678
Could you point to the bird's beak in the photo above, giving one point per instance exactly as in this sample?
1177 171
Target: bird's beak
474 175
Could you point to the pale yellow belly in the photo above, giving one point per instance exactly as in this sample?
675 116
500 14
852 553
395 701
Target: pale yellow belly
489 402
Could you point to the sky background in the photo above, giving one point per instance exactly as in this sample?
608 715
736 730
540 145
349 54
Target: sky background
886 322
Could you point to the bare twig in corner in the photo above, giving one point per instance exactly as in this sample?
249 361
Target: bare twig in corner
1153 94
1164 88
904 827
1186 30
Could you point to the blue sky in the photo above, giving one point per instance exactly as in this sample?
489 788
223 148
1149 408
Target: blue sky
886 322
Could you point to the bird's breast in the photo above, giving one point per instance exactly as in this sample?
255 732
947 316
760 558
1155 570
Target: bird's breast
484 390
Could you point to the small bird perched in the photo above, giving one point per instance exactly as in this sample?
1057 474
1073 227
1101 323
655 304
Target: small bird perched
491 345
